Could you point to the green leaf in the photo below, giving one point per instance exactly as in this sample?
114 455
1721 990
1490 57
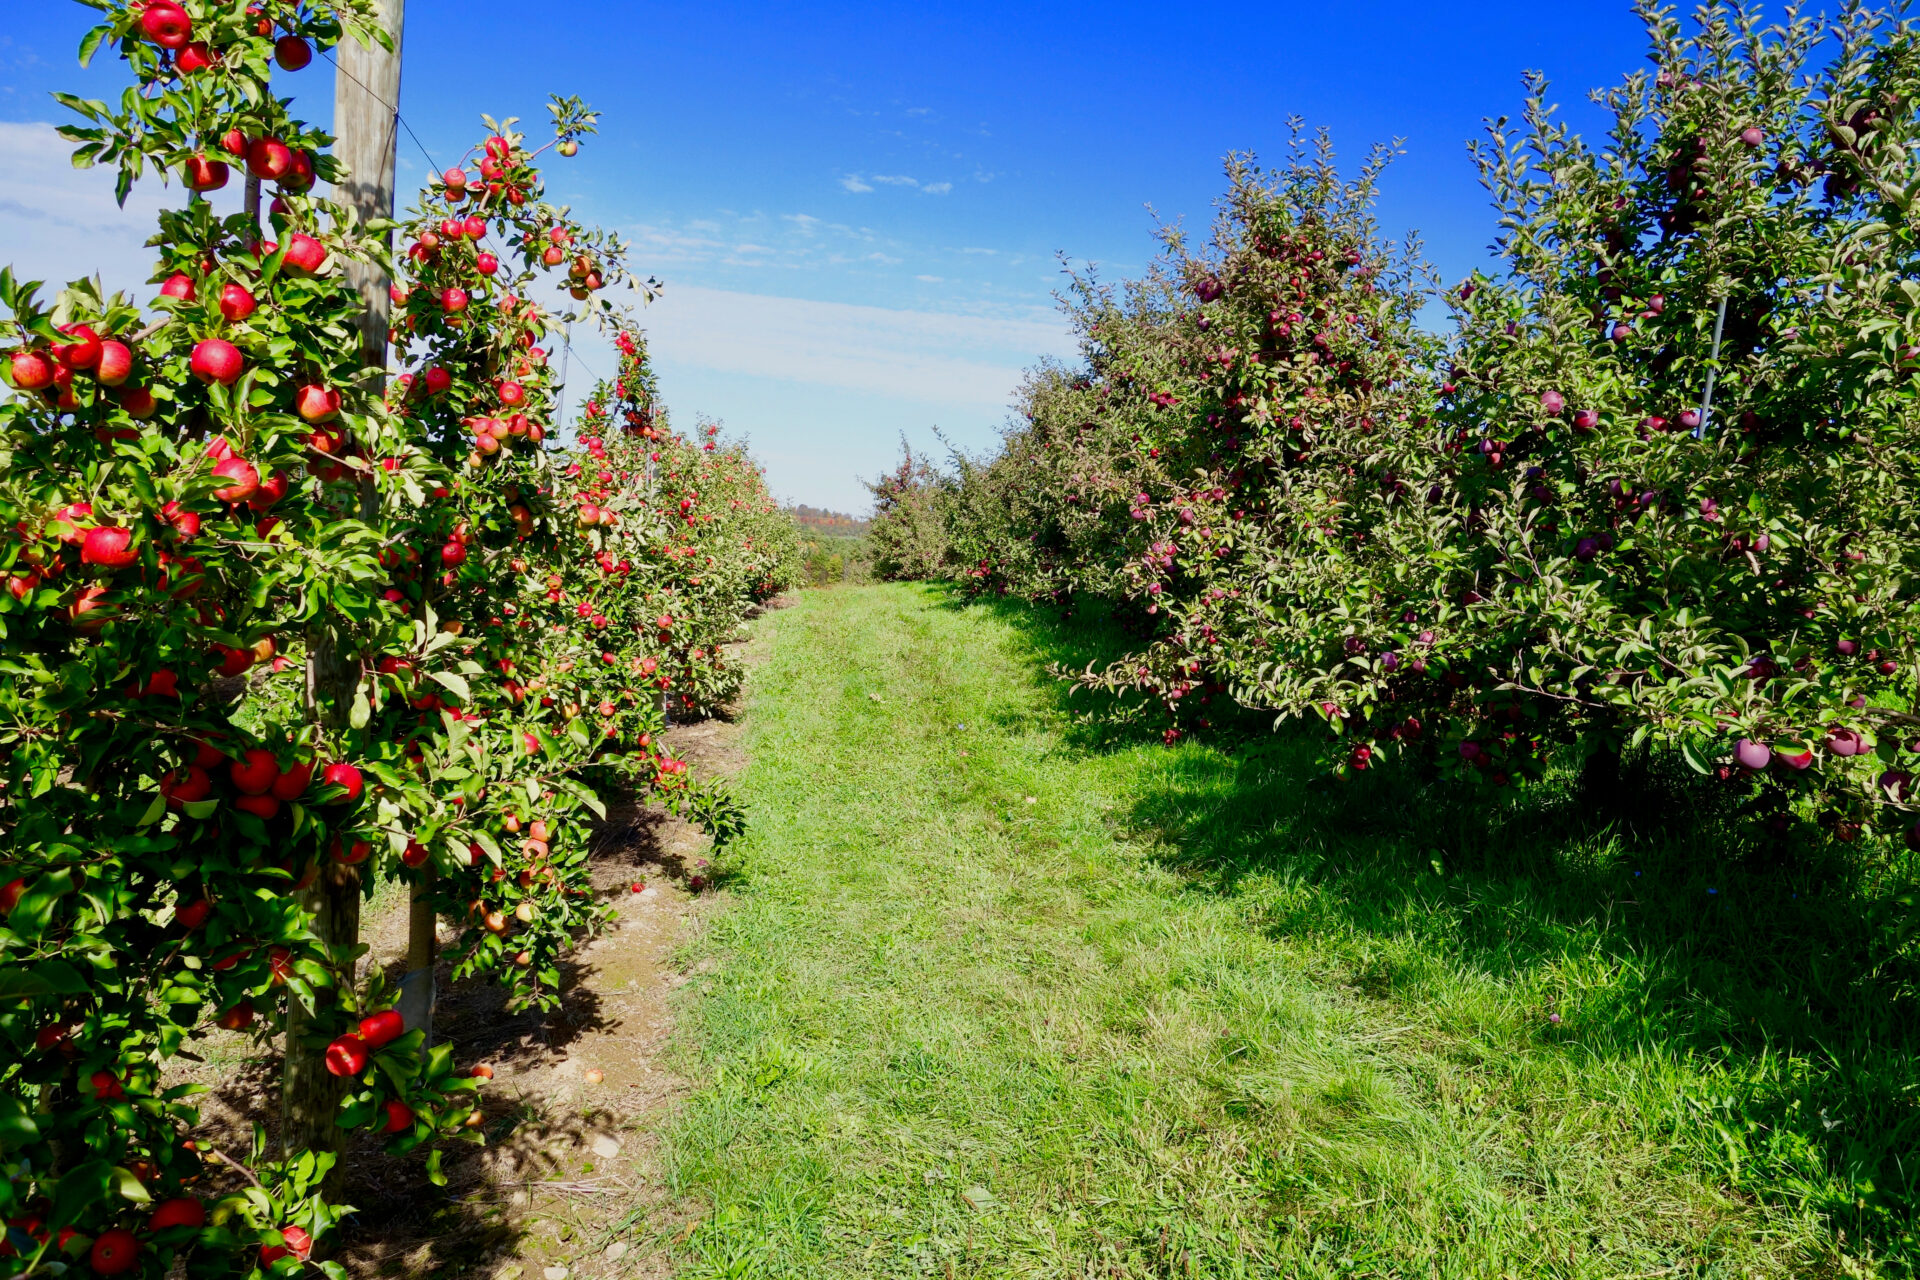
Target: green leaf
48 978
457 684
80 1190
130 1187
90 43
154 812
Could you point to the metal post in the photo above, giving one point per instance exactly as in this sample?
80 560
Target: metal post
1713 371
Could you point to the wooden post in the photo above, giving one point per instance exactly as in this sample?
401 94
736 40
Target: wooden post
366 103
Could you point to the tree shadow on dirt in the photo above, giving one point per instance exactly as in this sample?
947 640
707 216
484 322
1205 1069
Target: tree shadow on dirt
1790 960
402 1224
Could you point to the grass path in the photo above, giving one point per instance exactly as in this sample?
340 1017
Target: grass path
978 1006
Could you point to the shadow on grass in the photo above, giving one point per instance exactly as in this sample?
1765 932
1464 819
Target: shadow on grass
1790 981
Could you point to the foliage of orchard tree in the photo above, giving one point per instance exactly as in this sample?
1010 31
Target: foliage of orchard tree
236 691
1537 531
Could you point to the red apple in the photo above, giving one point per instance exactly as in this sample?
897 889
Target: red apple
195 57
167 25
382 1028
316 403
299 1245
217 360
116 1249
292 53
269 158
83 352
115 363
109 547
399 1117
182 1212
32 370
256 772
236 302
347 1056
202 174
305 255
242 477
345 776
179 285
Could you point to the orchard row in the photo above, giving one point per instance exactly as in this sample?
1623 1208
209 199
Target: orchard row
277 628
1652 486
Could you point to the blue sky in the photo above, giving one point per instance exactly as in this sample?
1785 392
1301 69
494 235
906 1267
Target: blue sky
856 208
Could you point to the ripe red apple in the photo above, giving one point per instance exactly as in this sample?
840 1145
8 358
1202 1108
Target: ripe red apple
184 788
261 807
106 1086
299 177
272 489
345 776
317 404
10 894
116 1249
256 772
486 264
1752 136
1749 754
399 1117
242 477
217 360
115 363
480 1071
184 1211
195 57
167 25
236 302
292 784
192 915
382 1028
32 370
201 174
299 1245
415 854
292 53
237 1018
269 158
347 1056
437 380
108 546
81 353
453 554
350 853
453 300
179 285
305 255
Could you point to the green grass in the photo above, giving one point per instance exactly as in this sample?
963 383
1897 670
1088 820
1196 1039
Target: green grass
994 997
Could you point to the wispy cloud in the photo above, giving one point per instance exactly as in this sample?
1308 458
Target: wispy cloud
859 183
927 357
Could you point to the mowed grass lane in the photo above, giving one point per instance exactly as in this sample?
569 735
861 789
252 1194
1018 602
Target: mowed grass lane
988 1001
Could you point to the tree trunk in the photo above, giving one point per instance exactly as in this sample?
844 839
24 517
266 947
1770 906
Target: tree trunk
366 116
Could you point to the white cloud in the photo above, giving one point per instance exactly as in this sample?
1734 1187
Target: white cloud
937 188
59 223
853 183
895 179
927 357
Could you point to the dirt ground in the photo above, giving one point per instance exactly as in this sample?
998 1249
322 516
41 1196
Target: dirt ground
568 1182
